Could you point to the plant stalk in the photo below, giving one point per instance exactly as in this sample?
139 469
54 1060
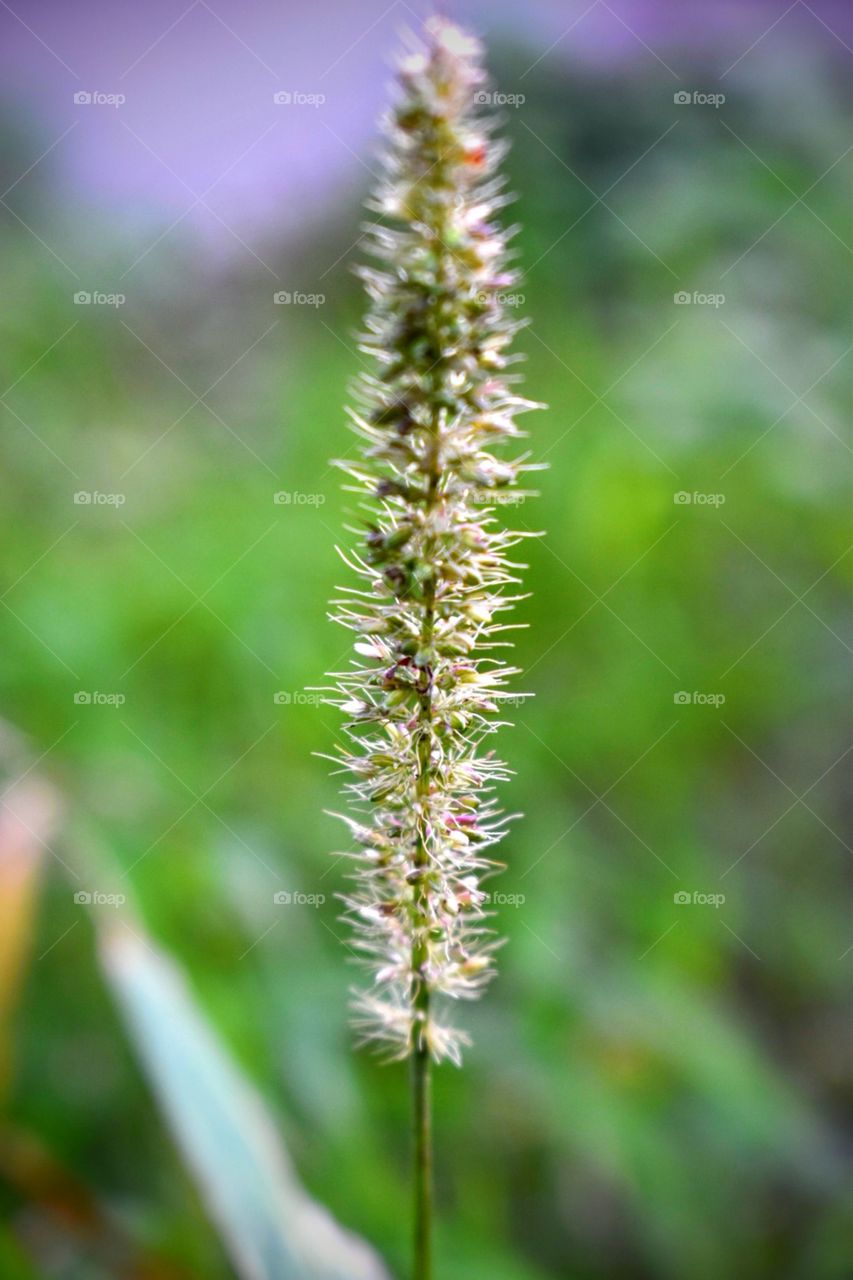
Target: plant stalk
422 1145
421 1064
435 564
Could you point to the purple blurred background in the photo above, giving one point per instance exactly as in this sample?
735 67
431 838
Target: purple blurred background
200 142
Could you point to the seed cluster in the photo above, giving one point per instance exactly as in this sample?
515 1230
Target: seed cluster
424 691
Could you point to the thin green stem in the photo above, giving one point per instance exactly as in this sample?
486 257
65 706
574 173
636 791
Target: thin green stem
422 1145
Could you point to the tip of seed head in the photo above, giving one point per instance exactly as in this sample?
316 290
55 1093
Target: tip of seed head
447 36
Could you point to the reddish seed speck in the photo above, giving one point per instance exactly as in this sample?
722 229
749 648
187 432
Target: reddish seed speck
476 155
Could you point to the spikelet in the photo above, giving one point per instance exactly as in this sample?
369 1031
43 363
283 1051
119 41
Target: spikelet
436 425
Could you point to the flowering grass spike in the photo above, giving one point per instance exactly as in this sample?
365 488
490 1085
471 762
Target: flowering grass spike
436 422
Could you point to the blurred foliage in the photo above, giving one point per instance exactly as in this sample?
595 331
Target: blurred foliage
228 1139
656 1090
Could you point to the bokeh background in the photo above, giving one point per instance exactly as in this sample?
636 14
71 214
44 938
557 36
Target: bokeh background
658 1087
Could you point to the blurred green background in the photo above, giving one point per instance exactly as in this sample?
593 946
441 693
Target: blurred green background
656 1088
